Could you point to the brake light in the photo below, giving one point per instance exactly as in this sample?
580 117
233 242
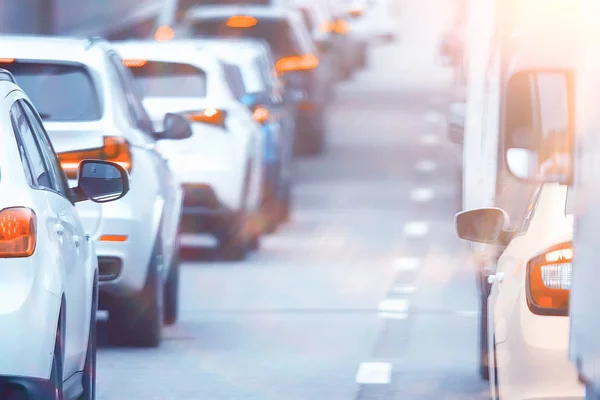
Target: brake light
17 232
241 21
549 280
164 34
115 149
260 115
7 60
134 63
210 116
341 27
297 63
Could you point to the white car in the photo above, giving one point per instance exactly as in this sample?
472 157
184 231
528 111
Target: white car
220 165
48 296
528 323
91 109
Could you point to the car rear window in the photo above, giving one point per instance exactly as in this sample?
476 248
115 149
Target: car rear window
276 32
165 79
183 6
60 92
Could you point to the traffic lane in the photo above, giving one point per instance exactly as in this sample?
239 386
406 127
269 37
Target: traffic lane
296 318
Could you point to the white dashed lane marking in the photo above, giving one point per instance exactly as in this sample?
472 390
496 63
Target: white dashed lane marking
378 373
393 306
422 195
426 166
429 139
407 263
416 229
405 289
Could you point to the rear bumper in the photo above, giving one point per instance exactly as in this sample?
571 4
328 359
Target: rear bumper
203 212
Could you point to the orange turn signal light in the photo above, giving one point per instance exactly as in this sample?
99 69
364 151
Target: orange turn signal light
115 149
260 115
341 27
7 60
17 232
297 63
549 280
241 21
134 63
164 34
113 238
210 116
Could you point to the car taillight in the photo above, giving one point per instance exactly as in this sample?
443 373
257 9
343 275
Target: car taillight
164 34
260 114
17 232
549 280
210 116
115 149
297 63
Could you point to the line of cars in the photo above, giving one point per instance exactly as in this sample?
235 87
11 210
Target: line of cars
528 133
114 153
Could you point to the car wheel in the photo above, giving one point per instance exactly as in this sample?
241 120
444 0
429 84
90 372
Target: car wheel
89 369
56 373
171 291
138 320
235 243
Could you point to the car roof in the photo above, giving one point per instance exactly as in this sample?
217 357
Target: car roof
208 12
39 47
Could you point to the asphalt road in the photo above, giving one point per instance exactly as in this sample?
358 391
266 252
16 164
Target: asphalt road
366 293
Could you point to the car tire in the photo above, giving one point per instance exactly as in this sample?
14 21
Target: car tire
89 369
137 321
171 291
56 373
234 245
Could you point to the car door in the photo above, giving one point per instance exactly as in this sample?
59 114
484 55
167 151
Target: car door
171 191
60 214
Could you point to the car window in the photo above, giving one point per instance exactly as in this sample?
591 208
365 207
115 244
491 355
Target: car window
276 31
167 79
531 210
130 89
60 92
234 79
51 160
253 79
41 177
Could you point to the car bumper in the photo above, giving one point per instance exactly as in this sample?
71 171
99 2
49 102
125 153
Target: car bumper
533 362
203 212
28 332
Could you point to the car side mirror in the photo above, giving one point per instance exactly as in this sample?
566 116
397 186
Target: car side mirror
176 127
101 181
483 225
539 126
456 123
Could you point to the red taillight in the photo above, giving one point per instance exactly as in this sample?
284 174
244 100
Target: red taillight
210 116
164 34
17 232
260 115
549 280
115 149
297 63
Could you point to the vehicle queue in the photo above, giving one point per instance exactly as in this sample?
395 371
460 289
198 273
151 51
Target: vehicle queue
115 153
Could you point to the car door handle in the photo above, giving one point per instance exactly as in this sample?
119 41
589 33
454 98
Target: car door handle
77 241
60 229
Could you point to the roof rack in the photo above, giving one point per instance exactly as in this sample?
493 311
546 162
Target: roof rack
7 76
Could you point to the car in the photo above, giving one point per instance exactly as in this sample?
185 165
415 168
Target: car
265 97
527 308
220 165
296 57
49 297
99 114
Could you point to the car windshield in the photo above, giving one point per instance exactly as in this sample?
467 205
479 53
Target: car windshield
276 32
166 79
60 92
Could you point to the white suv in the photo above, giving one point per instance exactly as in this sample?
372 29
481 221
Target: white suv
91 109
49 286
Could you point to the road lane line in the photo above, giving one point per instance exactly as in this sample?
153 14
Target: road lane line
404 289
426 166
416 229
388 315
374 373
407 263
434 117
422 195
429 139
393 306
